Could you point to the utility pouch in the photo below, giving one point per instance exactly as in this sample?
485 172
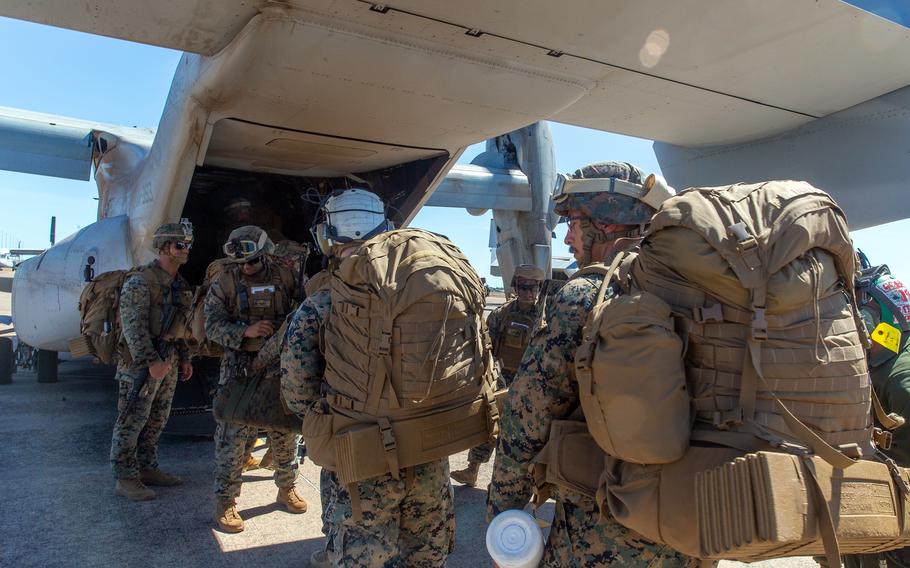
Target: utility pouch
318 435
368 450
571 459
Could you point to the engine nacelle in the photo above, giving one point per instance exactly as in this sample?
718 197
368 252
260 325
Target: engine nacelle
46 288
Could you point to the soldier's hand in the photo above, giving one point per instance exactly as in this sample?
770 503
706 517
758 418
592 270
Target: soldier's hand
158 370
186 370
259 329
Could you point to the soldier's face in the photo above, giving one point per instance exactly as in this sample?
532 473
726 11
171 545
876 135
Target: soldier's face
574 236
180 252
527 290
252 267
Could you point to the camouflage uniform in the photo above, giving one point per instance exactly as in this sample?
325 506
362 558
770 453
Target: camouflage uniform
302 366
495 323
232 440
544 389
402 524
136 433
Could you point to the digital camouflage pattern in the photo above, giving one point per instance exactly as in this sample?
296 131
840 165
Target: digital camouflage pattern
401 525
496 322
302 366
604 207
135 439
544 389
408 526
172 233
234 441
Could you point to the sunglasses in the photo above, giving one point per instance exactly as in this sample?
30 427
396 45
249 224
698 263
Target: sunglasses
183 246
256 260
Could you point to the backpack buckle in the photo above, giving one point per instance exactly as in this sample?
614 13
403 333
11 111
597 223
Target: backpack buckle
387 435
746 244
385 343
759 324
704 314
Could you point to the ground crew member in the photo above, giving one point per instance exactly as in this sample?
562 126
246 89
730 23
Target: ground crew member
155 354
511 326
408 521
601 224
885 307
244 306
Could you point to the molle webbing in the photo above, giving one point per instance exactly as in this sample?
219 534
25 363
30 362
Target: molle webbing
761 279
407 355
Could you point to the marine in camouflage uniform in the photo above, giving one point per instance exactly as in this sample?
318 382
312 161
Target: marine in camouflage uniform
545 390
238 336
405 522
302 366
511 326
138 427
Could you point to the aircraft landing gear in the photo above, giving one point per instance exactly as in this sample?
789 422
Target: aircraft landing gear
47 366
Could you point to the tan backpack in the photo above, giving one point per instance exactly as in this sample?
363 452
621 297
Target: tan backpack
408 360
737 316
99 307
197 340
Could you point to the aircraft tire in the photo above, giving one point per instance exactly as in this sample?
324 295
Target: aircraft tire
7 361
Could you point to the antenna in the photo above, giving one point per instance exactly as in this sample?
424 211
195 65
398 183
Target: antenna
53 230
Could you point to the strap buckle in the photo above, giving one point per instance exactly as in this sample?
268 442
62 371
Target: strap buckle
746 244
704 314
882 438
385 343
388 436
759 324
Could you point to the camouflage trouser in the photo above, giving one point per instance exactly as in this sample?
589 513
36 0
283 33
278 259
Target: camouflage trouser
579 538
134 445
406 522
327 491
233 442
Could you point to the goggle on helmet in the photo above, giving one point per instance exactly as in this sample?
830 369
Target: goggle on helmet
243 249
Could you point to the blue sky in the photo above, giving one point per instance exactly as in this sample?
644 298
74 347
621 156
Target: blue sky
110 81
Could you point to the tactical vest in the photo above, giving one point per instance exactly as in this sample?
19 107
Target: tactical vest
266 300
514 336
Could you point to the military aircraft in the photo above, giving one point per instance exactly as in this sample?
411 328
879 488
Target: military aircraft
278 101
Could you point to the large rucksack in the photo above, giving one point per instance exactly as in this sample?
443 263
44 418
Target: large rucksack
408 361
737 317
99 307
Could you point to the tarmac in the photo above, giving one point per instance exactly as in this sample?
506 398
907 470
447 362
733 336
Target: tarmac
58 506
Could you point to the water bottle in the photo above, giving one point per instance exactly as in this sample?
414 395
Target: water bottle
514 540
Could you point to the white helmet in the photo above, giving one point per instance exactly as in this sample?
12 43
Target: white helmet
347 216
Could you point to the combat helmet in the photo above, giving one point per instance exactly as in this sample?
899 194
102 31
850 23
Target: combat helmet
610 193
884 305
181 232
247 243
349 216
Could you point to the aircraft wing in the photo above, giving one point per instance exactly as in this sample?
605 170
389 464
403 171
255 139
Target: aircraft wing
44 144
690 73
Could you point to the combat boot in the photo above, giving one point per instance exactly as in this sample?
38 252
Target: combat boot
291 500
227 517
468 475
267 461
158 478
133 489
320 559
251 463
